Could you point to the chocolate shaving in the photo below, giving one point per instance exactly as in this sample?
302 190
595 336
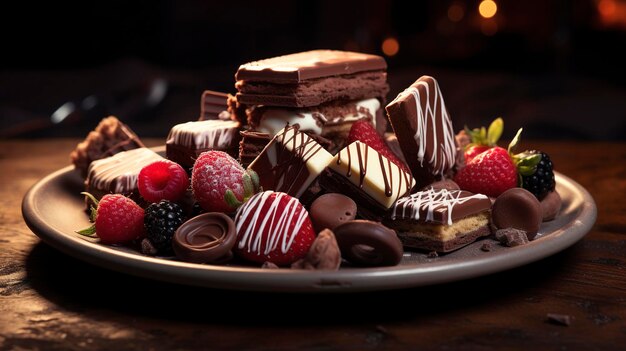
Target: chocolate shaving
433 254
324 254
512 237
486 247
147 248
560 319
269 265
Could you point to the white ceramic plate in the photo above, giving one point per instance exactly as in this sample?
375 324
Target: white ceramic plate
53 209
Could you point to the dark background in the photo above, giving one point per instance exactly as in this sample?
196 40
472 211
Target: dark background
558 68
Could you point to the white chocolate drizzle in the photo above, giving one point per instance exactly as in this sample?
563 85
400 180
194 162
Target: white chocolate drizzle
275 119
430 201
118 173
432 118
281 225
209 134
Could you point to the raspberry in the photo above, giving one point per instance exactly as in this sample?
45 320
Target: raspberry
490 173
162 180
161 221
364 132
219 183
273 227
118 219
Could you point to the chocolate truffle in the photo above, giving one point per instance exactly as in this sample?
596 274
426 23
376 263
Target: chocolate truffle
207 238
331 210
368 243
517 208
551 205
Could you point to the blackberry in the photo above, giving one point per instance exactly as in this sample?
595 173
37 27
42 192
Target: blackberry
540 179
161 221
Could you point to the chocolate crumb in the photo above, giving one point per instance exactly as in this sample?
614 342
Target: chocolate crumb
147 248
324 254
560 319
433 254
512 237
486 247
269 265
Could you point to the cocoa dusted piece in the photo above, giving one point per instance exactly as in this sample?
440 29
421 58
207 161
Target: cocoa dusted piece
110 137
424 129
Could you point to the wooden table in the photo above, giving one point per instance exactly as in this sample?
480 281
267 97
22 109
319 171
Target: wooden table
49 301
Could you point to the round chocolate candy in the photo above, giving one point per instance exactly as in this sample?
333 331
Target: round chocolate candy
368 243
206 238
447 184
551 205
517 208
331 210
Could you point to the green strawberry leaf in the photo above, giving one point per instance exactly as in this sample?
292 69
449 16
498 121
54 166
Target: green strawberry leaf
495 131
255 178
90 232
515 141
231 200
248 186
91 198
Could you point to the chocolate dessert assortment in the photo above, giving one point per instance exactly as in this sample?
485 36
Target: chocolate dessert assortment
297 170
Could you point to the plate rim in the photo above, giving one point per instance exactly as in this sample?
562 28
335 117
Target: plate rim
285 280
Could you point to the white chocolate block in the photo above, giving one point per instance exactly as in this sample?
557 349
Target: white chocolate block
378 177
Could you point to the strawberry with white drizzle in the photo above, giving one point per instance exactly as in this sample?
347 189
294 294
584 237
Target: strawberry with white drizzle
273 227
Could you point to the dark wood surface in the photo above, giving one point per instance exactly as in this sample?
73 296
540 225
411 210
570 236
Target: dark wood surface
49 301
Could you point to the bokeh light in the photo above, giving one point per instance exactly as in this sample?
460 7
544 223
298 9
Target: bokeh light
487 8
390 46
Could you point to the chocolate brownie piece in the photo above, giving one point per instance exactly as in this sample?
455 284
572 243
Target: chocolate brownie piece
110 137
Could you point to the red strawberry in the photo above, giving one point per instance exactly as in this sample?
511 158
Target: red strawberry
118 219
220 184
162 180
273 227
490 173
365 132
483 139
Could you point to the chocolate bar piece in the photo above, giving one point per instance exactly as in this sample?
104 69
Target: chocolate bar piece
251 145
372 180
213 106
311 78
186 141
422 124
118 174
290 162
110 137
331 120
439 219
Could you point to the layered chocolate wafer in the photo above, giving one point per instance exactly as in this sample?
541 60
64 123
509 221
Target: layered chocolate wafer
290 162
311 78
321 91
369 178
213 105
331 121
118 174
251 145
186 141
440 220
424 129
